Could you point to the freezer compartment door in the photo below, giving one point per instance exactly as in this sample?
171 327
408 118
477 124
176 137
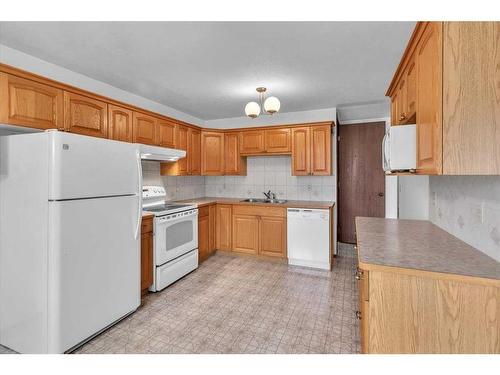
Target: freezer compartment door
86 167
94 267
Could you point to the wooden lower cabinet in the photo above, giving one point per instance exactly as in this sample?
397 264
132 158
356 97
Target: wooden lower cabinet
146 254
272 236
223 225
206 232
245 234
407 311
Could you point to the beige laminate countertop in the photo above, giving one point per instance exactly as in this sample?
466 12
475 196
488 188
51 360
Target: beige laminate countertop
200 202
419 245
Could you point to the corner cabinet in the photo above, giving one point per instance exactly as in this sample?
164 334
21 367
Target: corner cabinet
312 150
29 103
447 83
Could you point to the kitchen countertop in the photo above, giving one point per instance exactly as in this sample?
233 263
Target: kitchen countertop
204 201
419 245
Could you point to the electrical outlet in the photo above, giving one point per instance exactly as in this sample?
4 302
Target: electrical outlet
309 187
434 199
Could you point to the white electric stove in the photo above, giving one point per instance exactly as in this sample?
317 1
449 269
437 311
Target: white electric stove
175 245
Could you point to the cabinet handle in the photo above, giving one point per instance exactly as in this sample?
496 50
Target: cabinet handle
358 314
402 117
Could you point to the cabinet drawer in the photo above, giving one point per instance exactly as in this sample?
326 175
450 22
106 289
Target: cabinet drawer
203 211
260 211
147 224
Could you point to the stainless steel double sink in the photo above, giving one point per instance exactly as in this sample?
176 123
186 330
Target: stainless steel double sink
257 200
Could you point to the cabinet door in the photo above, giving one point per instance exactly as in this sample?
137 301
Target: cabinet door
120 123
394 109
363 312
144 129
203 237
212 159
182 166
429 100
223 223
146 260
166 133
83 115
301 151
246 234
234 163
252 142
321 150
411 90
28 103
212 225
278 141
194 152
402 116
272 236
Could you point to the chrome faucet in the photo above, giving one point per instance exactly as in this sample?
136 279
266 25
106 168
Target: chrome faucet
268 194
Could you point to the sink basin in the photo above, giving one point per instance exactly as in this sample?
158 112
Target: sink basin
256 200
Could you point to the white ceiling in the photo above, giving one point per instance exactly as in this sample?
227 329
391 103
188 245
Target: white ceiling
210 69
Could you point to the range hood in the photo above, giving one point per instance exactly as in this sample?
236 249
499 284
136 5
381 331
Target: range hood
160 153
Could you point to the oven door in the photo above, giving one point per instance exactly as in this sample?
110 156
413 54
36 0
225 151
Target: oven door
175 235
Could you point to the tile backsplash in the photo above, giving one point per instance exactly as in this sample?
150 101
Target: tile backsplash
468 207
182 187
271 173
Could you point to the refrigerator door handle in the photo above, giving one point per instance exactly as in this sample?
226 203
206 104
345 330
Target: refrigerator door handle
139 194
385 162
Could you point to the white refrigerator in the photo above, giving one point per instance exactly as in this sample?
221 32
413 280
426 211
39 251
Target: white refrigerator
70 214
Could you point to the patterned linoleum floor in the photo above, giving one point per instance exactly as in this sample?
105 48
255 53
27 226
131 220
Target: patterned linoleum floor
235 304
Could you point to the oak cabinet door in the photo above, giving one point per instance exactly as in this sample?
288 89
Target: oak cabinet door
120 123
394 109
212 228
84 115
194 152
402 116
28 103
252 142
272 236
246 234
203 237
321 150
234 163
278 141
183 144
223 223
144 128
166 133
411 90
146 260
301 156
429 100
212 145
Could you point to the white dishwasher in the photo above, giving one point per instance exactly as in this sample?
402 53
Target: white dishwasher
308 237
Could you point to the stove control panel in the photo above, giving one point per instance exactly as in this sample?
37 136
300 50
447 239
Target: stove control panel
153 192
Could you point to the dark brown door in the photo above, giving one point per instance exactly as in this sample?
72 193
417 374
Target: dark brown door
361 178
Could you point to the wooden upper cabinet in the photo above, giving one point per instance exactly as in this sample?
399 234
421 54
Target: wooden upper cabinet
278 141
120 123
321 150
223 224
144 128
411 91
167 131
471 98
252 142
84 115
272 236
234 163
28 103
301 151
212 158
194 156
182 167
429 100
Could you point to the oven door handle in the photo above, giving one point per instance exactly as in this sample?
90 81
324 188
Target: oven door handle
161 219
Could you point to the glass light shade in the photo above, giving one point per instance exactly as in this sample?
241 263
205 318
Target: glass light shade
272 105
252 109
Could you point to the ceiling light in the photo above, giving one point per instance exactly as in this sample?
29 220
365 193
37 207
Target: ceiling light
271 105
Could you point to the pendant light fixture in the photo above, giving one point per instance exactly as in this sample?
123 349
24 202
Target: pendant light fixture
271 105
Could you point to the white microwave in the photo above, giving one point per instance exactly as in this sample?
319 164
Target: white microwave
399 149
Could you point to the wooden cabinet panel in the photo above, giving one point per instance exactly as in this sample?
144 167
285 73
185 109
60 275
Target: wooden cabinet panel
278 141
120 123
394 109
182 166
362 277
28 103
402 100
212 228
471 107
301 151
321 150
223 225
194 150
212 145
272 236
84 115
144 128
234 163
411 91
167 131
203 237
146 254
429 100
245 234
252 142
